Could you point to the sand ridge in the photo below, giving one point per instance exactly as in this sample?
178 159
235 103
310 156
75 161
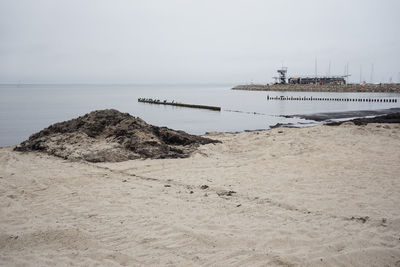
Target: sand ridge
299 197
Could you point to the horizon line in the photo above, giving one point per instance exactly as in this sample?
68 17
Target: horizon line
114 83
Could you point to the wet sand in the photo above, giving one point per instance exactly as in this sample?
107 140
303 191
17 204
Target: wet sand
345 115
314 196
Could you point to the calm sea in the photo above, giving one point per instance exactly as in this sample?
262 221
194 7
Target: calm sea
26 109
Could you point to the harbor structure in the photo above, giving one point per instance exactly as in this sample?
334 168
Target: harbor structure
281 78
319 80
322 80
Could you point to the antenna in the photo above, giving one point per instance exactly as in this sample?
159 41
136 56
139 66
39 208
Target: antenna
347 73
329 68
372 74
316 68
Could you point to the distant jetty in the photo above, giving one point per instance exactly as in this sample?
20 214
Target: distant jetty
173 103
311 98
368 88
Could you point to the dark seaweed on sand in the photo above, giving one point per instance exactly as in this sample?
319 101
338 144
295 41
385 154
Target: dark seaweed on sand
129 138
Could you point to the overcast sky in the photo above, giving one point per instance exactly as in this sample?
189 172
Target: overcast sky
196 41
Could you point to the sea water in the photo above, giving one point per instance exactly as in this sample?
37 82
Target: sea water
26 109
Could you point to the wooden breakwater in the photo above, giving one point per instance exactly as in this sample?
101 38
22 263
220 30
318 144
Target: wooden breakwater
368 88
304 98
173 103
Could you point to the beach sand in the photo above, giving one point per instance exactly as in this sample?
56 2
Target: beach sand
318 196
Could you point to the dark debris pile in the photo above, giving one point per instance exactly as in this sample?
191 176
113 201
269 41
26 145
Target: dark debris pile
111 136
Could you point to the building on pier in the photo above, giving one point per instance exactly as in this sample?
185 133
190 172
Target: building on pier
322 80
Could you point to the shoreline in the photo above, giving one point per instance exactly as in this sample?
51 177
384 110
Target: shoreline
327 117
345 115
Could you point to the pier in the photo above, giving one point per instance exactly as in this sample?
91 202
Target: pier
292 98
356 88
173 103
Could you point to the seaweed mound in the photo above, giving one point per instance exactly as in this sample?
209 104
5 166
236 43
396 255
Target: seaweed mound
111 136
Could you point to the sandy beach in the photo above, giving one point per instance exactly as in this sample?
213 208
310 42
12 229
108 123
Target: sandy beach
318 196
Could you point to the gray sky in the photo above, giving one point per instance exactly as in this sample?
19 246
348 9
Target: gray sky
195 41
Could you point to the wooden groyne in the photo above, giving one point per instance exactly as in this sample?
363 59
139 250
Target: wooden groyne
173 103
296 98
